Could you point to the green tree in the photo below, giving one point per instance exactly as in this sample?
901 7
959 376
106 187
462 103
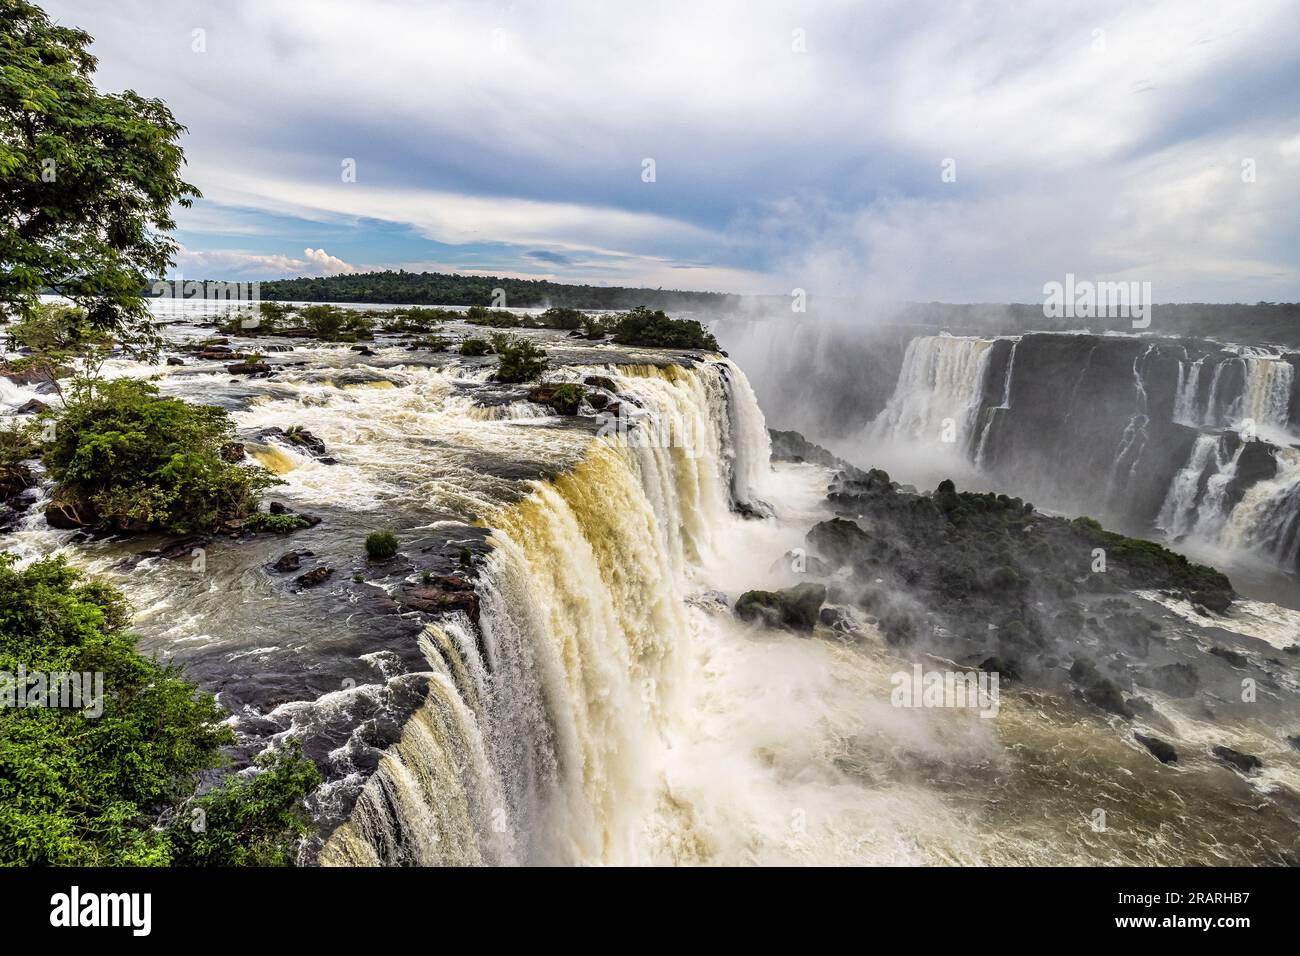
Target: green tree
80 789
520 360
88 180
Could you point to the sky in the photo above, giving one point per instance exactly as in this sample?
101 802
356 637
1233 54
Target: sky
916 150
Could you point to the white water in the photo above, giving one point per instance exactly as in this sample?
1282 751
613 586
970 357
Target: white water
939 392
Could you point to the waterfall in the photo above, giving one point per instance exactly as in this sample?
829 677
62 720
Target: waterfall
1189 380
1266 397
546 747
1178 513
1267 519
1213 510
1133 439
942 380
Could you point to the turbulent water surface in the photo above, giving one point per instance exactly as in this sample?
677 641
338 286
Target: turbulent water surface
607 707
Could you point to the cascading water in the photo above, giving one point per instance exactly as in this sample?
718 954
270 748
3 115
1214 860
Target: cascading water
1179 511
941 382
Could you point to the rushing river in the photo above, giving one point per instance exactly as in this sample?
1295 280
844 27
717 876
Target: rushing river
607 707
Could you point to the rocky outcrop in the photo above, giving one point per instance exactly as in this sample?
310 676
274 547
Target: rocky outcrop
440 594
1245 763
69 514
1160 749
797 608
563 397
314 577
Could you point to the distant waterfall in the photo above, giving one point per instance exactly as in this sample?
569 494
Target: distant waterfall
1266 398
543 748
942 380
1189 381
1267 519
1178 513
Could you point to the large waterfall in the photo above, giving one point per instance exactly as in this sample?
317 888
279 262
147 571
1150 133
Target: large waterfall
939 392
545 743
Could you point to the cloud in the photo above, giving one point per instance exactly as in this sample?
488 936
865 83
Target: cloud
1103 139
326 263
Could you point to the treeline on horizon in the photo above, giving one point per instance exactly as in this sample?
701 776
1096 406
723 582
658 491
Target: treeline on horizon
436 288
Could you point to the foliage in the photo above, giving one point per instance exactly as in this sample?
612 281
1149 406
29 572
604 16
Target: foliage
475 347
656 330
521 360
381 545
493 318
90 180
143 460
264 521
433 288
566 320
249 821
17 443
88 790
329 323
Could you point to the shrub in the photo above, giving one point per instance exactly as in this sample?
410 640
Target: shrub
381 545
475 347
143 460
521 360
493 318
656 330
262 521
54 328
99 790
17 444
329 323
566 320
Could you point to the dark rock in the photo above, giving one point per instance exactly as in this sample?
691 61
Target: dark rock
1294 741
600 381
32 407
305 439
1098 690
313 578
839 540
564 400
68 514
1232 657
1005 668
1235 758
289 561
1176 680
441 594
248 368
796 608
1160 749
792 446
175 360
182 548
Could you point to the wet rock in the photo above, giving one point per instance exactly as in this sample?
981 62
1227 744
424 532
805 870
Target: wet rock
1246 763
363 350
797 608
441 594
314 578
68 514
1098 690
305 439
248 368
598 400
1232 657
839 540
600 381
796 561
1294 741
1160 749
289 561
32 407
181 548
1002 666
175 360
1176 680
564 398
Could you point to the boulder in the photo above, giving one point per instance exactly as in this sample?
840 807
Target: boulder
1098 690
1176 680
441 594
1005 668
248 368
839 540
1232 657
67 514
181 548
175 360
796 608
600 381
1238 760
314 577
32 407
289 561
563 397
1160 749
